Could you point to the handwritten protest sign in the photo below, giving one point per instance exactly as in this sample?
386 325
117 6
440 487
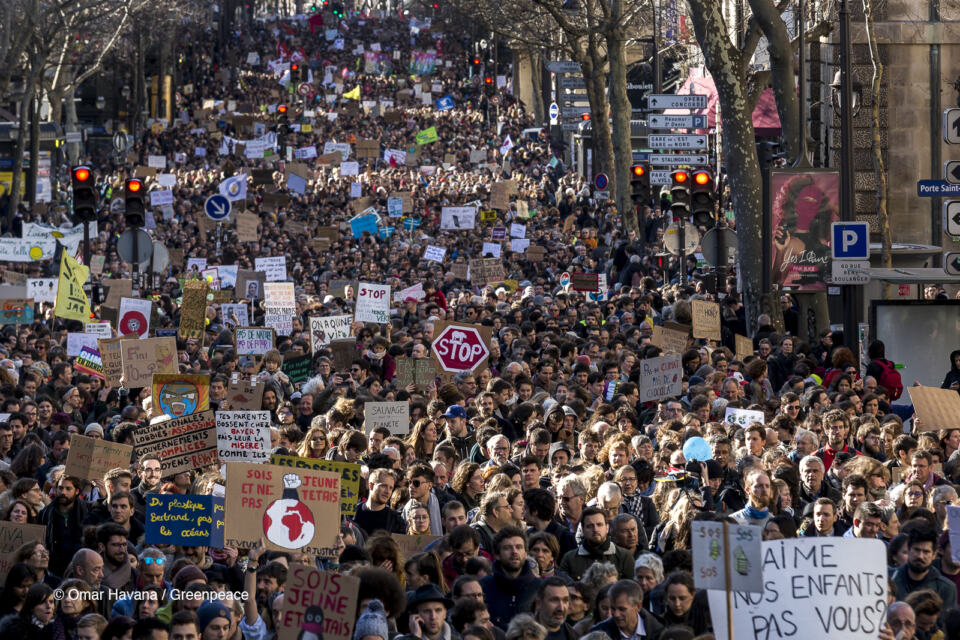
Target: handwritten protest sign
243 436
814 588
349 473
143 358
660 377
244 394
193 309
323 330
90 458
182 444
742 417
936 408
292 508
274 267
14 535
310 591
706 319
180 394
417 371
373 303
111 360
458 218
719 550
412 545
669 340
297 367
77 341
395 416
184 520
253 341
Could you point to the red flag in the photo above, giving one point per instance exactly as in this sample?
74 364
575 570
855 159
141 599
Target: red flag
315 22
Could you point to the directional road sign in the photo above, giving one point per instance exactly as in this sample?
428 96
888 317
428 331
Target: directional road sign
671 159
681 101
951 171
951 126
120 142
951 217
951 263
573 82
217 207
660 177
570 126
851 240
574 112
563 66
936 188
554 112
659 121
677 141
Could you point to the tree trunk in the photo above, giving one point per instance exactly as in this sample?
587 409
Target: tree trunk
620 108
70 125
34 150
724 62
17 181
596 80
879 167
536 77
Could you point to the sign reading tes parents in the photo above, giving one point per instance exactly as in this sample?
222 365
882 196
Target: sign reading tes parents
243 436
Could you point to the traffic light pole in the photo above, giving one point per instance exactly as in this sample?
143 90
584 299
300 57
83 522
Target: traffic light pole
682 224
86 243
847 207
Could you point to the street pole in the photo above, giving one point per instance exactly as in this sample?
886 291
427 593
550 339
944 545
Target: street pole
657 75
86 243
847 201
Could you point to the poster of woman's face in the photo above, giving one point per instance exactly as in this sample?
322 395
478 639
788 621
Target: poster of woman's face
804 204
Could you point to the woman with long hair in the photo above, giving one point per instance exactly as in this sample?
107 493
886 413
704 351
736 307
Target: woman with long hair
914 498
385 552
468 484
314 444
423 439
28 461
21 512
545 550
675 533
18 582
73 605
423 569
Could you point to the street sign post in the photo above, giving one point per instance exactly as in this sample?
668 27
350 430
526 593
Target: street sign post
659 121
951 126
563 66
951 171
937 189
677 141
144 247
554 112
951 217
600 181
850 271
677 101
850 240
217 207
575 112
710 246
660 177
673 159
951 263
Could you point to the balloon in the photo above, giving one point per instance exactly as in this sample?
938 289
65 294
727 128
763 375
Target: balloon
696 448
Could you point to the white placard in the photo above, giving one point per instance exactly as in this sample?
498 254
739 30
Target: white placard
458 218
198 264
342 147
395 207
434 254
98 329
157 162
660 377
42 289
324 330
275 267
416 291
395 416
742 417
356 190
161 197
518 230
243 436
519 245
280 298
712 551
490 249
77 341
373 303
350 168
235 314
134 316
167 180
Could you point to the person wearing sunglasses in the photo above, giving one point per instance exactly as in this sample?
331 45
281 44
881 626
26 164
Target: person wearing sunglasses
420 478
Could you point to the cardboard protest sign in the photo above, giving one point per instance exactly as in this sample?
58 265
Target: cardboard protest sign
417 371
180 394
669 340
368 148
91 458
193 310
412 545
243 394
936 408
182 444
243 436
253 341
373 303
14 535
250 284
742 417
293 508
585 281
815 588
744 346
247 227
706 319
116 290
660 378
185 520
314 597
344 352
535 253
323 330
395 416
297 367
141 359
111 361
349 473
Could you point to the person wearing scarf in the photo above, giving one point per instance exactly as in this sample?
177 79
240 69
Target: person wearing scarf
757 487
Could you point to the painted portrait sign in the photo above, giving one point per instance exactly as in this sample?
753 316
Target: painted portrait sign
180 394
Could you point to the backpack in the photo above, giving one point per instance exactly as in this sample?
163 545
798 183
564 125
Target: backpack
890 378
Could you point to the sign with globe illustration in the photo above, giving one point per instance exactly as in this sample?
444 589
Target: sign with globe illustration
292 509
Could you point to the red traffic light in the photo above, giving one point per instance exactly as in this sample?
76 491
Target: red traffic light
585 116
282 108
134 185
701 177
487 80
680 176
476 61
294 67
81 174
639 170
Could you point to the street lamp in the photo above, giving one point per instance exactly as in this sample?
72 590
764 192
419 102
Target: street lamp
836 91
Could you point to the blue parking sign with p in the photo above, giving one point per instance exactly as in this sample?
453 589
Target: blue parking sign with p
850 241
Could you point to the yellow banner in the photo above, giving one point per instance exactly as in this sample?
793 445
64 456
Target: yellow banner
72 301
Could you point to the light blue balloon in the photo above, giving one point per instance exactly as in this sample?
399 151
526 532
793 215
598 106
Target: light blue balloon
696 448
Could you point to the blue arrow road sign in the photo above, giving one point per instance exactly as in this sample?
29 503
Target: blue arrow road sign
554 111
217 207
937 188
851 240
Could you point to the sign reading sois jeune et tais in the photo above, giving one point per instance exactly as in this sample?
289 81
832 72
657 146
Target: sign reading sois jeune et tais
321 602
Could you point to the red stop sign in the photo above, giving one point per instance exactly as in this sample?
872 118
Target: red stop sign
460 348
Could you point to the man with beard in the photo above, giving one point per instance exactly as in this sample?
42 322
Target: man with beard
270 580
836 424
63 518
552 606
918 572
512 586
117 572
114 481
596 547
757 487
855 490
150 474
375 513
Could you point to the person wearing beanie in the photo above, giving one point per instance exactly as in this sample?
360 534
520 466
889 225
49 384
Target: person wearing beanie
93 430
216 616
372 623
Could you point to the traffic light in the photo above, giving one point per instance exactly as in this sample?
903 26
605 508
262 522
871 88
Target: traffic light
295 74
680 194
85 196
135 211
488 80
475 61
703 194
282 111
640 185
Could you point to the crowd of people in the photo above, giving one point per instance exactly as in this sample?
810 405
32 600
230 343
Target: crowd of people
554 502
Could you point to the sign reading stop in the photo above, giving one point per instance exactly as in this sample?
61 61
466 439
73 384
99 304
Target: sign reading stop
460 348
